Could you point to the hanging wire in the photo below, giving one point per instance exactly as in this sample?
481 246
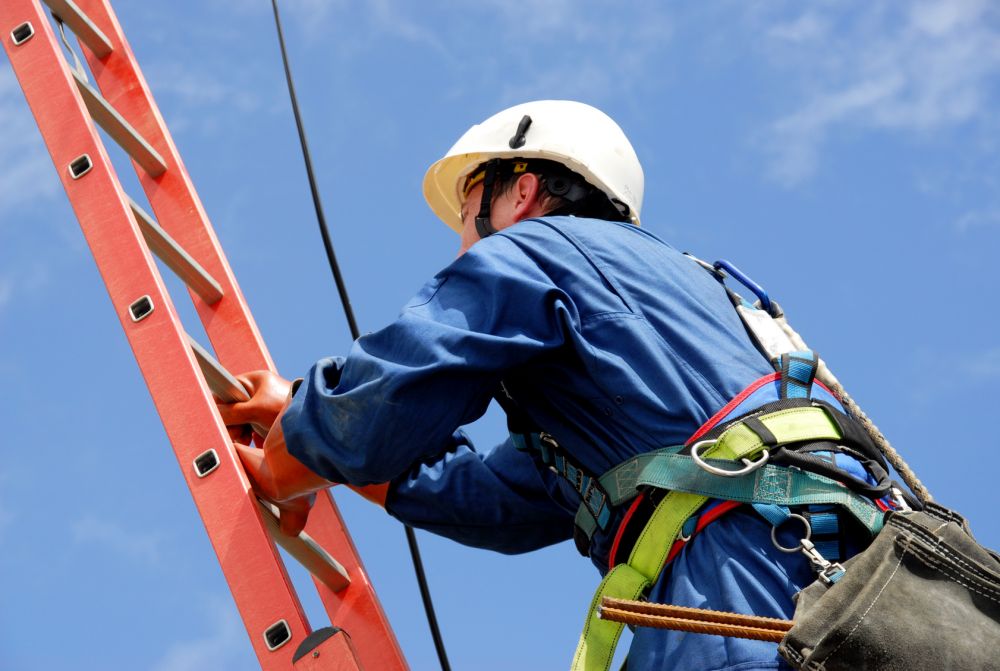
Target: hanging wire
411 538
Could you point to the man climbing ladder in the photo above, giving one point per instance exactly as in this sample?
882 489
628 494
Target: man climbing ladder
605 347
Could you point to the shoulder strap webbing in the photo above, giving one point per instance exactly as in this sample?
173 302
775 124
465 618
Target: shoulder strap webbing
798 371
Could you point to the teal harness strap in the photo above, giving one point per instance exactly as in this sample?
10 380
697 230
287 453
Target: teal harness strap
595 508
621 482
767 485
665 469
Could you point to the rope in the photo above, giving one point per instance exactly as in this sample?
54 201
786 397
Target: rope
694 620
411 538
824 374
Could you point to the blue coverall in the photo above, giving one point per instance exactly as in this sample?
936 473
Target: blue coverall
610 340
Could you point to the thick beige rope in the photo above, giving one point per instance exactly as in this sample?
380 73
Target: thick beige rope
830 380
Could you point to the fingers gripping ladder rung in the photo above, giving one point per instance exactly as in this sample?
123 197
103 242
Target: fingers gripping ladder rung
81 25
303 548
115 125
175 257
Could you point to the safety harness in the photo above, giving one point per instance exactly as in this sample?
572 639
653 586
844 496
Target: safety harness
779 458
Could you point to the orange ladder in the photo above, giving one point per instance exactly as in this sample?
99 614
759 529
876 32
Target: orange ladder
182 375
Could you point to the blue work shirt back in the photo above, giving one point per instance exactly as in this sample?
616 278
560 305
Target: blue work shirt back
610 340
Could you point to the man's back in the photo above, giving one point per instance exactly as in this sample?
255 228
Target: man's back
608 339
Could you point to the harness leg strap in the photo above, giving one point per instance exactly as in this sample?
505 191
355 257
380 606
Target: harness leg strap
600 637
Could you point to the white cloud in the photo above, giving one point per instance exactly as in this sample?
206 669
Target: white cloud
915 68
334 23
984 366
195 96
223 647
390 17
604 49
28 175
973 220
143 547
808 26
23 277
940 375
7 518
795 140
7 514
6 291
606 52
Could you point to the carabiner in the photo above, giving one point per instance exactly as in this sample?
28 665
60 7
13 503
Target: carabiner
750 465
828 572
744 279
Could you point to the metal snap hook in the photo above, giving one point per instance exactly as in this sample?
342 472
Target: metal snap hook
828 572
805 538
750 467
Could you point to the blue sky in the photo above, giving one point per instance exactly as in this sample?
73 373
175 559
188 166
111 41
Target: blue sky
845 154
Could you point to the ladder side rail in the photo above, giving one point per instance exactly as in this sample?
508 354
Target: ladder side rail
352 606
251 564
229 323
176 206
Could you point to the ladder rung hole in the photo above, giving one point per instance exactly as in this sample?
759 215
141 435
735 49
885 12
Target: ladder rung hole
22 33
277 635
141 308
80 166
206 462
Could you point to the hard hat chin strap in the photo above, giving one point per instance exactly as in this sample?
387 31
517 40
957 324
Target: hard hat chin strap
483 225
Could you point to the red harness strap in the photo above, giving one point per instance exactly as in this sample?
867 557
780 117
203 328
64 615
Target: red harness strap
709 516
621 528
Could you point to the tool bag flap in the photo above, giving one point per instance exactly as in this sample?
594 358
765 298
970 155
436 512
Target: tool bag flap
924 595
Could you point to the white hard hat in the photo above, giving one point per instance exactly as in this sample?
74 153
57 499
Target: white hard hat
580 137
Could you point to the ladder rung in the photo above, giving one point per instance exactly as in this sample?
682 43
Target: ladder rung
222 383
81 26
306 551
176 258
124 134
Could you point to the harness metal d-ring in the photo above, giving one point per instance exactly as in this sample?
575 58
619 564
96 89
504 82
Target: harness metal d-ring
750 467
805 538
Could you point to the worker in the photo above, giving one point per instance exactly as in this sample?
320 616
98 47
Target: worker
600 341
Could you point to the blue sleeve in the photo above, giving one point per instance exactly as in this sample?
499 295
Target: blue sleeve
498 500
402 392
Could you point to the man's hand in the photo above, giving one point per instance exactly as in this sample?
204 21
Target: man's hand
274 473
269 392
282 479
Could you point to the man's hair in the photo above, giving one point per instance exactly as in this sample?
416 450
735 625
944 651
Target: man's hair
562 190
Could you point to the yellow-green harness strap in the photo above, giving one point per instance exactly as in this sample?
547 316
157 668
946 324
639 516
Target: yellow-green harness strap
630 580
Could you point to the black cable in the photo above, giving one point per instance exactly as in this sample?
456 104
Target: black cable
411 538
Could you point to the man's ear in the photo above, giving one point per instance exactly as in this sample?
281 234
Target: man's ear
527 197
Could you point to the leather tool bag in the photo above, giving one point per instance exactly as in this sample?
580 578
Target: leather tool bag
924 595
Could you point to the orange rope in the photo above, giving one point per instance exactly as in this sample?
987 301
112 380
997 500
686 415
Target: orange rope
695 620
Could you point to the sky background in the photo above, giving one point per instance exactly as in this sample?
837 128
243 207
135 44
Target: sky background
845 154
